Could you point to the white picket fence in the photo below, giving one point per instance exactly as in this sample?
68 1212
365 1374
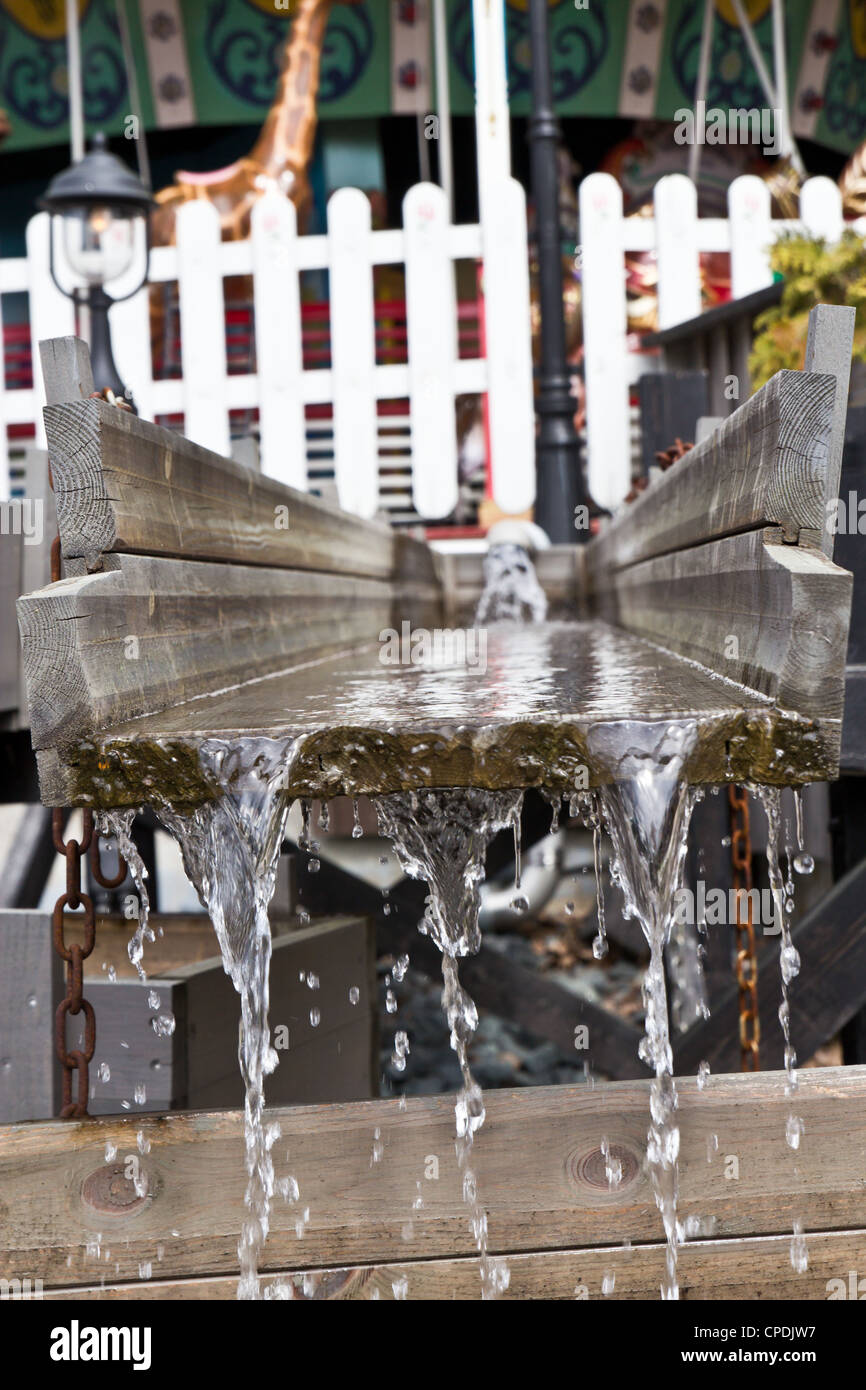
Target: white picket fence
428 245
677 236
363 441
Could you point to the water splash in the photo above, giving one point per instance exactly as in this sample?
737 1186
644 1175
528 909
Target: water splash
119 825
789 957
511 590
441 838
231 849
647 808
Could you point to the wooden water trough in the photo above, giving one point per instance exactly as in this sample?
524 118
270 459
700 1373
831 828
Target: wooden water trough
202 601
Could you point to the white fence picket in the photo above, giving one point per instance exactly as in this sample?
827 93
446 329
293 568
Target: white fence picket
431 326
821 208
508 333
52 315
202 326
751 235
676 215
353 352
130 337
604 335
279 351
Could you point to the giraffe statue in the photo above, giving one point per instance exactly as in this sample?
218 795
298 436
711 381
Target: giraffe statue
282 152
852 184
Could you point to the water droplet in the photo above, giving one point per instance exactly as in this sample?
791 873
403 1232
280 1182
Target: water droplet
599 947
519 903
569 909
354 994
313 866
799 1253
312 980
608 1284
703 1075
153 999
794 1130
104 1071
804 864
315 1017
140 1093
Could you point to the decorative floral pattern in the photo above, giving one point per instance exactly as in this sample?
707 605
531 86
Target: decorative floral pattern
578 48
247 56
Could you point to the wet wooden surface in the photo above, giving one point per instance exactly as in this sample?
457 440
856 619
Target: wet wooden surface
541 1175
739 1269
353 725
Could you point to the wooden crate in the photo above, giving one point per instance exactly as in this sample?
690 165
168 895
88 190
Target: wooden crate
197 1065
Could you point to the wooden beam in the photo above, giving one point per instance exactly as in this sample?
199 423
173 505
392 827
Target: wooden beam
769 616
766 465
123 484
831 988
538 1160
739 1269
104 648
355 725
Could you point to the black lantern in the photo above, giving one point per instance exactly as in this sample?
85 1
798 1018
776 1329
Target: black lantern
98 204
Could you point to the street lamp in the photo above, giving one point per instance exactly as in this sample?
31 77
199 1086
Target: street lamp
560 485
97 203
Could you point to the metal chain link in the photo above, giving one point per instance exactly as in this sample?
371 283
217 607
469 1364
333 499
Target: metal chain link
747 964
79 1059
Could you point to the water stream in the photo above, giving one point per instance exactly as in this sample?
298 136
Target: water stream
441 838
647 807
230 849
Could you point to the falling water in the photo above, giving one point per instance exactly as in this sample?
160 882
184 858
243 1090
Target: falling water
230 849
647 807
119 825
511 590
441 837
789 958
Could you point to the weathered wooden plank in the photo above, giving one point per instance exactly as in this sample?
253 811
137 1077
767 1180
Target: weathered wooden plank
831 940
358 1209
766 465
828 349
755 1269
102 648
770 616
31 987
326 1043
196 1066
11 552
123 484
357 726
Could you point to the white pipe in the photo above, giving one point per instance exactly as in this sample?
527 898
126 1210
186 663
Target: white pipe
492 131
73 70
780 59
132 87
755 53
701 87
443 102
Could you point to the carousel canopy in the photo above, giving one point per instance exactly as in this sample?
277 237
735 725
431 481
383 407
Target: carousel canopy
215 62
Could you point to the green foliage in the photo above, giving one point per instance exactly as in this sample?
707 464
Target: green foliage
814 273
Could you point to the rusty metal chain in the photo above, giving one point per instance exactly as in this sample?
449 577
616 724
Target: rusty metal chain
80 1058
74 955
747 963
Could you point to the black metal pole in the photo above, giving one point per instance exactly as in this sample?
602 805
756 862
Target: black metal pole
102 362
559 480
